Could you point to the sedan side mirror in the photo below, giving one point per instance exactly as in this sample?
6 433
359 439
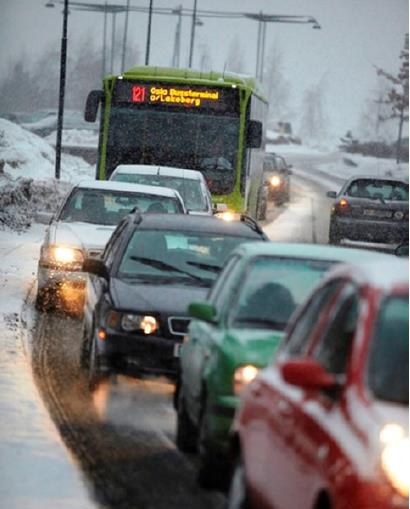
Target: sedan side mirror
202 311
331 194
307 374
43 217
96 267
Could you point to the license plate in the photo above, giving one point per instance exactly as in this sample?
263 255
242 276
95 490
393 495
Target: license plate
377 213
177 349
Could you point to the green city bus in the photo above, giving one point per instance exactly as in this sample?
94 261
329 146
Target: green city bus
207 121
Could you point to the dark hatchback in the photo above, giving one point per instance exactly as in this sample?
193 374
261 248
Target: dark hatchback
370 209
136 302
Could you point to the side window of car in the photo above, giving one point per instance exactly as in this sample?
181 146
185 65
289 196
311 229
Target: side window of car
306 322
333 347
222 286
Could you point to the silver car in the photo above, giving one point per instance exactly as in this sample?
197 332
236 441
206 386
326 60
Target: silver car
82 227
191 184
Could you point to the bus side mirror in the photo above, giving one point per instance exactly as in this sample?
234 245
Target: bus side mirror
254 134
91 106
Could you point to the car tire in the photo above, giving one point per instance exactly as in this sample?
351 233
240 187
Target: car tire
186 431
238 493
334 236
95 376
213 472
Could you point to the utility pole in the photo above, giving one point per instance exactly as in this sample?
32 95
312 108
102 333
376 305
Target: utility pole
63 66
104 51
114 14
147 48
191 46
124 41
177 39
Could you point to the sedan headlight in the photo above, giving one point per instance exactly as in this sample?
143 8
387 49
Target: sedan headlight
395 457
62 257
146 323
275 181
243 375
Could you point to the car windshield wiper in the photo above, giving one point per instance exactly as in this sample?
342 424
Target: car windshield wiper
157 264
205 266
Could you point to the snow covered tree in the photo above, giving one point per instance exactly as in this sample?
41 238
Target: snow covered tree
314 123
398 95
277 86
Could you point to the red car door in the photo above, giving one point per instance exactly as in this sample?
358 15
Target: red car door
273 414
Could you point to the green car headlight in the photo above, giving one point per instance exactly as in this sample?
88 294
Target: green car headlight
243 376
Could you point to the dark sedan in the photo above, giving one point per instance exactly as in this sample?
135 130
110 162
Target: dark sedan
370 209
152 268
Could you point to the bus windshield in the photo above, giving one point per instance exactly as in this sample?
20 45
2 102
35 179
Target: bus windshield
202 137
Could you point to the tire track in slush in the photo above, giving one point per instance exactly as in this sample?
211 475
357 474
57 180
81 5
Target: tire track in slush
124 465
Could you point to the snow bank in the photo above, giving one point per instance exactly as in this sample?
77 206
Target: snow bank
24 154
27 183
86 138
349 165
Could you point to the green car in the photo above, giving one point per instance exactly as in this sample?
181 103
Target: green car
235 333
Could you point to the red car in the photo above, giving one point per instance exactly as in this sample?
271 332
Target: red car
326 425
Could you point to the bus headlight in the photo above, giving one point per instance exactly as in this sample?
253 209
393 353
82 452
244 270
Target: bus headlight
395 457
243 376
275 181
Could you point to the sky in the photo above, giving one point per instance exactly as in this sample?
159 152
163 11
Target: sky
356 35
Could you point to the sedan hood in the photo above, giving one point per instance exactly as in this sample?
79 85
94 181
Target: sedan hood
85 235
167 298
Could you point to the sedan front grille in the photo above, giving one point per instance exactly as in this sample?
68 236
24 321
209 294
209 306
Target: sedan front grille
178 325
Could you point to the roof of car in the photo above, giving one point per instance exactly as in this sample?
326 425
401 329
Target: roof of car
312 251
109 185
383 274
194 223
169 171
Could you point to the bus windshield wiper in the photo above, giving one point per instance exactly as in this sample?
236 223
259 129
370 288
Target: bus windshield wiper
157 264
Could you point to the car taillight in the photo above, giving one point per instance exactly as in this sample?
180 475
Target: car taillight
342 206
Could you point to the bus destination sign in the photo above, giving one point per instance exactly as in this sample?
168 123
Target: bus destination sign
172 95
218 99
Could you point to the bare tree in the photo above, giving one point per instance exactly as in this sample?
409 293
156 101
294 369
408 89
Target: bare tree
314 122
398 94
276 84
375 109
234 61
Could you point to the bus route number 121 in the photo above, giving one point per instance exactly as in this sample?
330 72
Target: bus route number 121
138 94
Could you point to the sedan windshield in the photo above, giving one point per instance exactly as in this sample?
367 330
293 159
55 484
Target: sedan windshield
184 256
100 206
189 189
388 369
272 290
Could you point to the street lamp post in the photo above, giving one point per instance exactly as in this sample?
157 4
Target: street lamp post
191 45
147 48
262 20
124 41
63 65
